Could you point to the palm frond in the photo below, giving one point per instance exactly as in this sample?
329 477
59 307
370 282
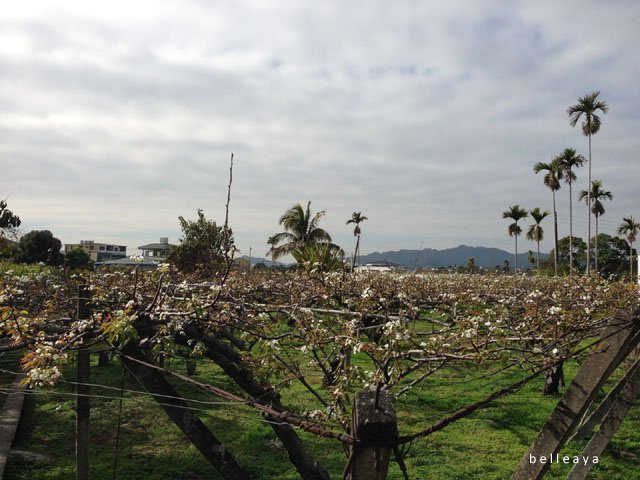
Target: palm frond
587 106
538 215
280 237
535 233
301 229
630 228
515 212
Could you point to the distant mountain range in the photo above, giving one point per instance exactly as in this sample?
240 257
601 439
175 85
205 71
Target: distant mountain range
268 263
432 258
449 257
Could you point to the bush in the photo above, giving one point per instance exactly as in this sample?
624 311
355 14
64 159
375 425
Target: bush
39 246
202 249
77 259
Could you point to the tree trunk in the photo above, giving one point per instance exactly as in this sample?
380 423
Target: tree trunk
191 367
589 206
103 359
555 235
355 254
177 410
554 377
515 268
570 230
228 358
596 265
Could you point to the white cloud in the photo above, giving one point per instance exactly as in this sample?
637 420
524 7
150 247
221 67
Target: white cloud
427 116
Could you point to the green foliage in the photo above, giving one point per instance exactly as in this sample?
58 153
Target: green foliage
242 264
39 246
579 254
8 220
319 257
471 264
613 255
202 248
569 160
535 231
596 195
586 109
357 218
301 228
153 448
515 213
630 228
8 224
554 173
119 327
28 270
479 329
77 259
7 248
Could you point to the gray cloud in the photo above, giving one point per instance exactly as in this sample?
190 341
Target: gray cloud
426 116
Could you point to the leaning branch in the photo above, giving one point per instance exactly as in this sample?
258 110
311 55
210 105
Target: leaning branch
282 416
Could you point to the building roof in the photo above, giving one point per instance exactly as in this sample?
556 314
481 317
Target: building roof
155 246
381 263
129 261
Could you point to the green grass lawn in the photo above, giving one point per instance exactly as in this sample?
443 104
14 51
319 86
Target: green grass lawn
486 445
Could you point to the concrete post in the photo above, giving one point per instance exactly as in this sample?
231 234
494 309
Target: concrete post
375 430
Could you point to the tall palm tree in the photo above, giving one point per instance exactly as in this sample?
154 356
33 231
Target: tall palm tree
357 218
568 161
301 228
587 108
552 179
515 213
630 228
596 195
535 233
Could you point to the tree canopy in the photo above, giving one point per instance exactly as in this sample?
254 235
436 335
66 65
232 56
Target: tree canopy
8 219
201 249
39 246
77 259
586 109
301 228
613 255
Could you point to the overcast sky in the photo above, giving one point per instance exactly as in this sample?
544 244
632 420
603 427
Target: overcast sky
428 116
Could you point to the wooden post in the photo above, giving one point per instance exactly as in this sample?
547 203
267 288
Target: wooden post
191 367
103 358
587 426
619 336
376 431
82 391
10 418
609 427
